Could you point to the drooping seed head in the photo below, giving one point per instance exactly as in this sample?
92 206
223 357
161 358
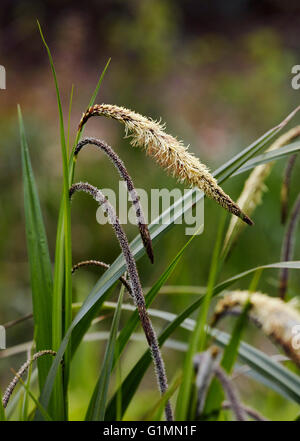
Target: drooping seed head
10 388
169 153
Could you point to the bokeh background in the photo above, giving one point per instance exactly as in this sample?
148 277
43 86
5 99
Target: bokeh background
218 73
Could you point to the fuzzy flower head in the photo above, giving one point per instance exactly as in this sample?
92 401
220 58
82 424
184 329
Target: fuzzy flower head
169 153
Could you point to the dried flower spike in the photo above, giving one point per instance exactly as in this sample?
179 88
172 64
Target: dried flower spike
118 163
276 317
168 152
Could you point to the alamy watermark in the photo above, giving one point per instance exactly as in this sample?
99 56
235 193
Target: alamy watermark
2 77
155 202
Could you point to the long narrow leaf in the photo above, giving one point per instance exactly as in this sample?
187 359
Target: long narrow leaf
39 258
62 292
198 337
273 155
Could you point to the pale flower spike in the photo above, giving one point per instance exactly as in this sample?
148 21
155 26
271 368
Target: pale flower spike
277 319
168 152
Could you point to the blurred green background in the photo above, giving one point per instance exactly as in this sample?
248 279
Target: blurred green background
218 73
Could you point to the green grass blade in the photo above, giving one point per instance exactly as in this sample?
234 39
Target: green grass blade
97 88
80 132
96 410
118 384
198 338
181 290
38 256
43 411
231 352
238 160
273 155
62 292
2 410
157 409
215 395
24 412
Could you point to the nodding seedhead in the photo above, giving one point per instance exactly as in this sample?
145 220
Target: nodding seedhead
10 388
168 152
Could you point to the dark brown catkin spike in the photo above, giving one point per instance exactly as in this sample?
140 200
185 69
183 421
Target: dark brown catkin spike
168 152
118 163
136 287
